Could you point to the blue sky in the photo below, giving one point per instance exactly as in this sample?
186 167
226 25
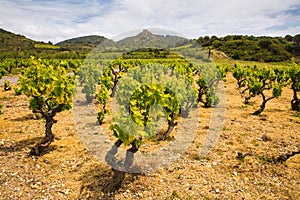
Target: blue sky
57 20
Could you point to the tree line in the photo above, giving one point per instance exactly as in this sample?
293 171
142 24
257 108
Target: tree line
262 48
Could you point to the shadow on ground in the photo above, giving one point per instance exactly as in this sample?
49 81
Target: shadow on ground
27 143
27 117
97 180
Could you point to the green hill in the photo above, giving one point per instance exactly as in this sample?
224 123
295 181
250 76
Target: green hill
18 46
15 45
11 42
85 43
267 49
146 39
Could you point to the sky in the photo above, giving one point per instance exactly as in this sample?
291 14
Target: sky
57 20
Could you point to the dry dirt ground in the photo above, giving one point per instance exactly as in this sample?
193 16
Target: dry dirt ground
69 171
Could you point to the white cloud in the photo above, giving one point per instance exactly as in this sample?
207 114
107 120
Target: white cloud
57 20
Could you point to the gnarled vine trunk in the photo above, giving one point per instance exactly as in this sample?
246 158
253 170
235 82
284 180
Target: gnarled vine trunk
116 80
171 126
295 103
263 104
49 137
114 89
119 176
261 108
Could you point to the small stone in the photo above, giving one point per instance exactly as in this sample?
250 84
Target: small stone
217 190
140 194
67 191
266 138
235 173
33 186
107 141
205 182
214 163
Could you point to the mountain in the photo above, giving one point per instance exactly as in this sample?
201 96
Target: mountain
143 45
84 43
11 42
146 39
18 46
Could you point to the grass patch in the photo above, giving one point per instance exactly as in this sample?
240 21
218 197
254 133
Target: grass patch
46 46
174 195
297 114
226 129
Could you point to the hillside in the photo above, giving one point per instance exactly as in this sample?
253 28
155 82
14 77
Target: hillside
146 39
265 49
84 43
15 45
18 46
11 42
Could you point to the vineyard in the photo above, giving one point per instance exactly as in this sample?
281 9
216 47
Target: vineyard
142 101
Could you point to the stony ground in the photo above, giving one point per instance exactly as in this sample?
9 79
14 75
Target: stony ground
69 171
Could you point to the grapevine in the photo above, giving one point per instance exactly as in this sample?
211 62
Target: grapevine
208 80
50 89
294 75
254 81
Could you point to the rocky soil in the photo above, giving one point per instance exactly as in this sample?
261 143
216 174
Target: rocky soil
242 165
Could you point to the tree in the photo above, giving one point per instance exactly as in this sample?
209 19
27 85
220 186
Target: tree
50 89
288 38
296 39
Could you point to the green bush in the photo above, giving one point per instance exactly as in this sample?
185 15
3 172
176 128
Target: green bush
18 91
7 85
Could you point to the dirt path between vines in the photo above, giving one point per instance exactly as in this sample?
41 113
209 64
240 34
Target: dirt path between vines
69 171
11 79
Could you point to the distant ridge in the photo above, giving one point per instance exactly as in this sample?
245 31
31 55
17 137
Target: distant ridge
147 39
11 42
82 43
